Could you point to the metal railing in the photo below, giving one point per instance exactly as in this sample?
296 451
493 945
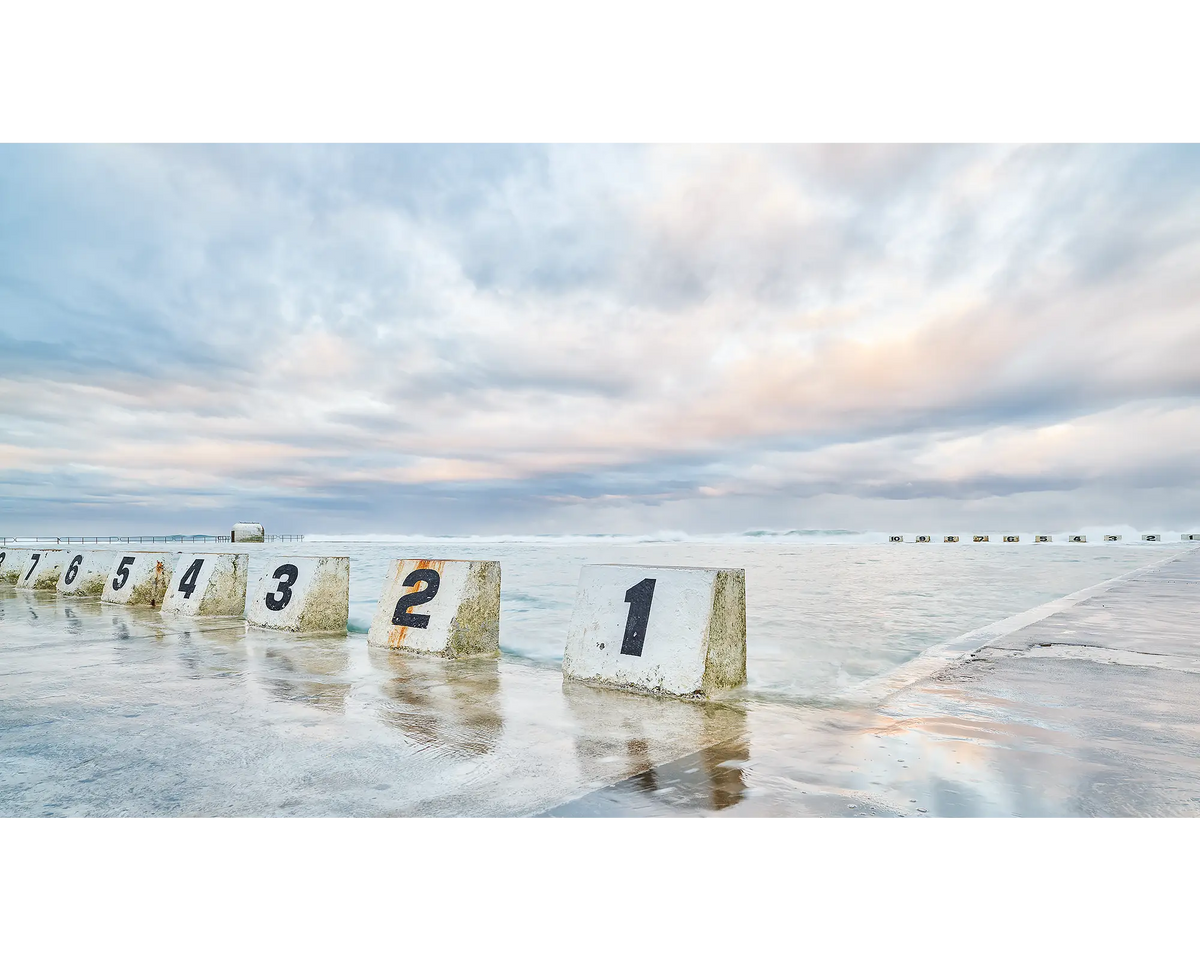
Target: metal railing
174 538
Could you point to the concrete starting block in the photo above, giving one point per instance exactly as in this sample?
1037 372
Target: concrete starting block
949 539
980 538
1182 536
247 533
924 539
84 573
895 539
450 608
139 579
12 561
1152 537
41 570
1077 538
1043 538
661 630
1110 537
1012 538
302 594
208 585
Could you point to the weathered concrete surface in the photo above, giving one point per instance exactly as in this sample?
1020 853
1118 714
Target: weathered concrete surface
208 585
450 608
84 572
1092 710
41 570
12 561
139 578
301 594
663 630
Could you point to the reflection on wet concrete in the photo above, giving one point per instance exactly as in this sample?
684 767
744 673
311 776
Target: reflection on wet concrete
451 704
304 669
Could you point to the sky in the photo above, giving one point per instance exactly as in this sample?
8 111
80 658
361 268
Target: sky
597 339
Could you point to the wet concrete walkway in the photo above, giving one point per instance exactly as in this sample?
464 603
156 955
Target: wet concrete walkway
1089 705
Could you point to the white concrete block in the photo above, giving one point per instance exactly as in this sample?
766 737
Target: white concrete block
139 579
1182 536
1077 538
247 533
1152 537
663 630
950 539
41 570
980 538
302 594
1110 537
450 608
895 539
1012 538
84 573
924 539
12 562
208 585
1043 538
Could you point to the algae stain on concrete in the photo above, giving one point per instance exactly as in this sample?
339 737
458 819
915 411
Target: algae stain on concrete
725 661
475 629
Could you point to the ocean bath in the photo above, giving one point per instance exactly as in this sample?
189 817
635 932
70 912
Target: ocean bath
119 711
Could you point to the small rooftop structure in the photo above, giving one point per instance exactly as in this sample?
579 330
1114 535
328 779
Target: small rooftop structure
247 533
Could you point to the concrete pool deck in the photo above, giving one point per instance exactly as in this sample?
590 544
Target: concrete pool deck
1090 708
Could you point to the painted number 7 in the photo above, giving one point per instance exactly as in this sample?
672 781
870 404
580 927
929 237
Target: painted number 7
639 597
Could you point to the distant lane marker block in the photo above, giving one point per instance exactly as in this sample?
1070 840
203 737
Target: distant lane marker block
950 540
139 579
208 585
924 539
980 538
301 594
1012 538
84 573
1152 537
1077 538
12 562
895 539
661 630
450 608
41 570
1043 538
1110 537
1182 536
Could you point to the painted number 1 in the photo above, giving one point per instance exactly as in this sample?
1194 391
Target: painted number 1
639 597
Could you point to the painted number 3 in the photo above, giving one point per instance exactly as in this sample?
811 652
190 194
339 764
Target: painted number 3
281 596
639 598
402 618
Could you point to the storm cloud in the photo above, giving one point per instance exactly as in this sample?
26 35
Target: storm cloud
597 339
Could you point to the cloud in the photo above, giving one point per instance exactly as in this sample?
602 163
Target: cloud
543 337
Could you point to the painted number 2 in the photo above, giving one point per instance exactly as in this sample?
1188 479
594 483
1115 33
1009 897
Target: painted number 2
281 596
432 579
639 597
187 583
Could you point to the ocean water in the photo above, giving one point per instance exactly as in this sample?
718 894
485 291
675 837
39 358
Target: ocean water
824 612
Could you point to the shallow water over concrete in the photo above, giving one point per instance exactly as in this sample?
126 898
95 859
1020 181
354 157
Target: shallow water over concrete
108 710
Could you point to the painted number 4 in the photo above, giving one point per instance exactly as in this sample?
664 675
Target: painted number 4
639 597
187 583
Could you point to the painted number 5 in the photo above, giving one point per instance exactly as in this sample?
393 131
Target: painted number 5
639 597
402 617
